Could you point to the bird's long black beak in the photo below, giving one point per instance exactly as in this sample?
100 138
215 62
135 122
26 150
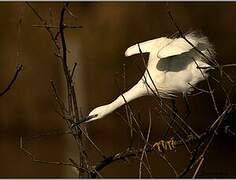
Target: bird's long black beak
83 120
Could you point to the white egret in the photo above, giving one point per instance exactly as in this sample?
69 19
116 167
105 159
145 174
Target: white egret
173 67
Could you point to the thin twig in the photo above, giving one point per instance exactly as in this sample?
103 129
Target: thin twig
58 99
34 159
45 23
18 70
169 164
145 146
56 27
198 168
50 133
73 70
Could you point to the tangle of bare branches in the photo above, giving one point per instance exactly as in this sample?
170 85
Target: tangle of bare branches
197 144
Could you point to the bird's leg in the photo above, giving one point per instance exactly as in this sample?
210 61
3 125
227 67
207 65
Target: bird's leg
173 117
187 105
163 146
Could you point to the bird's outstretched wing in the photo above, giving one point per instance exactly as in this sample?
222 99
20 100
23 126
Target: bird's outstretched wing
179 45
143 47
167 47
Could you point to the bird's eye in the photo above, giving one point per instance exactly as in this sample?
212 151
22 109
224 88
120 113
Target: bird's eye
92 116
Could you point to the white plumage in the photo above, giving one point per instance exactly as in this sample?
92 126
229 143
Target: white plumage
173 67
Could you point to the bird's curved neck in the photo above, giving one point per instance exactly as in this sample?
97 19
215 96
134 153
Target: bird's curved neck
135 92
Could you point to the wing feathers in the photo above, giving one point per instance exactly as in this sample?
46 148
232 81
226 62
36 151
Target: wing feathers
145 47
179 45
167 47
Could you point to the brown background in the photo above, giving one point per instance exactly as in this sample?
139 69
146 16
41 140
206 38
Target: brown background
108 29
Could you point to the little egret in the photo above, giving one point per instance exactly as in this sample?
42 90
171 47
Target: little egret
174 66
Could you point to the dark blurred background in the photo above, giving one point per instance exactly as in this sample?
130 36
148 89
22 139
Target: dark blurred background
98 48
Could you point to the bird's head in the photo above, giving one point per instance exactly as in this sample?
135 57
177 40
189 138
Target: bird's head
97 113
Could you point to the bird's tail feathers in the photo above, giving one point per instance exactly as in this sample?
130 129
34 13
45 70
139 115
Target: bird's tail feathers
203 44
